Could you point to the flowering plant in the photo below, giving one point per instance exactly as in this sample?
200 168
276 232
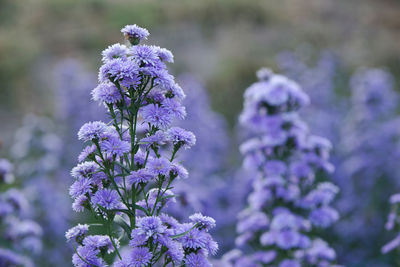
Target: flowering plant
290 199
125 174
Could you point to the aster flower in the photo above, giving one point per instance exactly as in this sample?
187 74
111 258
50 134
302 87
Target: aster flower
159 166
115 146
203 221
174 108
135 34
77 233
106 198
91 130
107 93
180 137
140 176
114 51
157 116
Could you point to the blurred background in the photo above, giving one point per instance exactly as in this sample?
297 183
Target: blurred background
50 54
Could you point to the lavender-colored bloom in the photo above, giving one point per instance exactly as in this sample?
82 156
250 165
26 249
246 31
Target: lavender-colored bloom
100 242
106 198
150 226
86 152
116 146
79 203
174 108
164 54
91 130
140 176
157 116
203 221
197 260
84 170
87 257
159 166
145 55
138 257
114 51
181 137
107 93
135 34
77 233
179 171
80 187
157 139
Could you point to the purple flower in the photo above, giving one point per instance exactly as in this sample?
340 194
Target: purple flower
107 93
181 137
157 116
106 198
91 130
86 152
164 54
84 170
179 171
100 242
197 260
138 238
203 221
150 226
114 51
80 187
139 176
174 108
87 257
135 34
157 139
79 203
145 55
116 146
159 166
138 257
77 232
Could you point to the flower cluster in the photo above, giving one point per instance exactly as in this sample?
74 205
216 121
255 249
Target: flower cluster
290 197
370 136
125 175
20 236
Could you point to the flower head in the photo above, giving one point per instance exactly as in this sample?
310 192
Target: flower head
135 34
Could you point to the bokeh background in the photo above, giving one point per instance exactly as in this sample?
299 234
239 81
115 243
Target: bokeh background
219 42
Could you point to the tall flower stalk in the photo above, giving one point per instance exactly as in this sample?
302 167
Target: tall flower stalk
290 199
125 175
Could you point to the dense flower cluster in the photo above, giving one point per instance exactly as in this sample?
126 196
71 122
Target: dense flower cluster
370 137
290 198
20 236
124 176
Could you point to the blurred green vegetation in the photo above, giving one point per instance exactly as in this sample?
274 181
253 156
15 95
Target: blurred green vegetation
223 42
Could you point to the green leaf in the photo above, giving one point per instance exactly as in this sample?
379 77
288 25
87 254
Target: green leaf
123 224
